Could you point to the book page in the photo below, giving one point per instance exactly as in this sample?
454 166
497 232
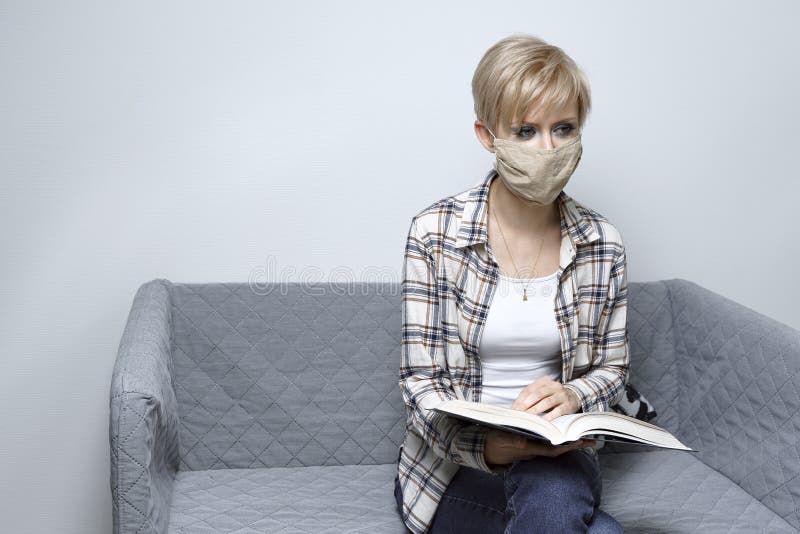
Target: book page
616 424
491 409
569 427
499 415
563 421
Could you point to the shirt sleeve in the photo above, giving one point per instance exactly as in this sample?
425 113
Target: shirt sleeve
424 379
603 384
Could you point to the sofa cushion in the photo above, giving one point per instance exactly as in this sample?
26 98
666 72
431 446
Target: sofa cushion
673 491
315 499
662 491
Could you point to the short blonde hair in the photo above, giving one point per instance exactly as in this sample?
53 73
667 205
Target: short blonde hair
522 71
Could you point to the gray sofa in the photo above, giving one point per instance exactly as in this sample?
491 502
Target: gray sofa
277 409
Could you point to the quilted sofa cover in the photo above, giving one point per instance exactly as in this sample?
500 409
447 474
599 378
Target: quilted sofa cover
250 409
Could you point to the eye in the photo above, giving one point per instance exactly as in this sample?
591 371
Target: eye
524 132
565 129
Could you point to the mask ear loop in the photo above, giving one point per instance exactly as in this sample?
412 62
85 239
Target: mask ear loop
494 137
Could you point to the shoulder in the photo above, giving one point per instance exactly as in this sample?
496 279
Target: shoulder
609 234
441 217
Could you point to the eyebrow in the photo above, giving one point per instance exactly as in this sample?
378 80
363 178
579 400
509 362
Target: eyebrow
525 123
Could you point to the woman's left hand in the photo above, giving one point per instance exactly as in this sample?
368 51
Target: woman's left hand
544 394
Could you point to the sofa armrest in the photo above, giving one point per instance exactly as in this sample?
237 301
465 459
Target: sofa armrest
143 429
739 393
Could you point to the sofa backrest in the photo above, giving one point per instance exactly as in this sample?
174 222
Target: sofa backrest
298 374
739 376
287 374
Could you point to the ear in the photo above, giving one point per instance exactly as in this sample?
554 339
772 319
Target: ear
483 136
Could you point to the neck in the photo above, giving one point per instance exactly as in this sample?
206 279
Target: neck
519 214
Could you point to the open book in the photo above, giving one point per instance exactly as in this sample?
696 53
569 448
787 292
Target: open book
570 427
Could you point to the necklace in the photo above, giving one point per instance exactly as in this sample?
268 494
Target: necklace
541 242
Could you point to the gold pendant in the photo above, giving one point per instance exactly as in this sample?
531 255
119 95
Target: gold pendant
524 294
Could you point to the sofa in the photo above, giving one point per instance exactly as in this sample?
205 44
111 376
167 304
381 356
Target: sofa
246 408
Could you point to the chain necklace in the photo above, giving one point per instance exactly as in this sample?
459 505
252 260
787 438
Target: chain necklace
541 242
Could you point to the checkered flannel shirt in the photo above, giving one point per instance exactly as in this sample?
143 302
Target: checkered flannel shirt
449 277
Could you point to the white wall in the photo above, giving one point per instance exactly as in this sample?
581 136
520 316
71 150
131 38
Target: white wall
206 141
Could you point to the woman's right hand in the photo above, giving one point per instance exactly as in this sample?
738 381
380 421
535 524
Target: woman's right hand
505 447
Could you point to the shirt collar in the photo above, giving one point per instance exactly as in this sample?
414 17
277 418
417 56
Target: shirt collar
472 227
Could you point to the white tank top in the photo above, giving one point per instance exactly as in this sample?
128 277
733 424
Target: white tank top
520 341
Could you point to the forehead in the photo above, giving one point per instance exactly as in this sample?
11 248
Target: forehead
551 114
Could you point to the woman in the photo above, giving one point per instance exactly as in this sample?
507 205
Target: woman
515 294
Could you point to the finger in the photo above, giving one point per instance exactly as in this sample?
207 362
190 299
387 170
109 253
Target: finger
533 397
542 449
543 382
566 447
558 411
537 395
544 405
566 404
584 444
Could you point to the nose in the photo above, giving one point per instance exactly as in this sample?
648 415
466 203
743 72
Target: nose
547 141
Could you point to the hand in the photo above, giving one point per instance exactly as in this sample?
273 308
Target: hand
505 447
544 394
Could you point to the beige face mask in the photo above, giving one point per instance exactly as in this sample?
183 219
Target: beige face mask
536 174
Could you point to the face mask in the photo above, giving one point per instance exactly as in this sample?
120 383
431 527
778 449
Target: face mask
536 174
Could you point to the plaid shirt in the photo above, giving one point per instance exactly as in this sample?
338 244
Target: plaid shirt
449 277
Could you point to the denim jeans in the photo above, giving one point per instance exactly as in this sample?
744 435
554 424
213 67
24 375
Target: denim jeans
540 494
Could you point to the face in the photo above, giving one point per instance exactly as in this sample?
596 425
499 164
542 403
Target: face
543 128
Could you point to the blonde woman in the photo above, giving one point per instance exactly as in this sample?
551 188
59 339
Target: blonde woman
514 294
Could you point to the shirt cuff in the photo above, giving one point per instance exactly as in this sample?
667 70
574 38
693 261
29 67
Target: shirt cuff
468 446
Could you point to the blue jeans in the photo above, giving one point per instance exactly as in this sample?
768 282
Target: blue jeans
541 494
